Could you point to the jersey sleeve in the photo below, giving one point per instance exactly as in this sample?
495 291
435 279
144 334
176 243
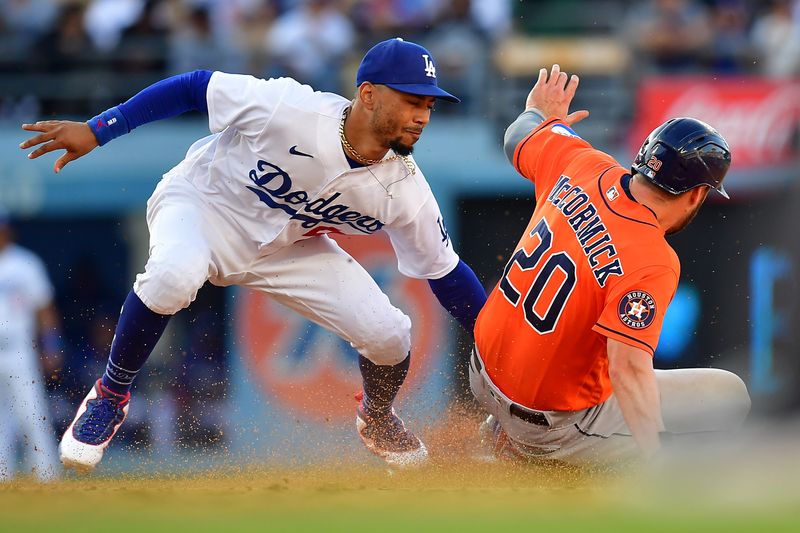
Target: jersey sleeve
544 154
244 102
635 307
422 245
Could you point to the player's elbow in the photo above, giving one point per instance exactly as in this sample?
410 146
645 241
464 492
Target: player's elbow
628 368
510 142
620 371
528 121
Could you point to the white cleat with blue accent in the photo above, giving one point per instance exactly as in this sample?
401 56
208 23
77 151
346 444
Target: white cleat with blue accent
98 418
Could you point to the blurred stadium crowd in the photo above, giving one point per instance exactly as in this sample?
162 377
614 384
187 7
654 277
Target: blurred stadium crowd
78 57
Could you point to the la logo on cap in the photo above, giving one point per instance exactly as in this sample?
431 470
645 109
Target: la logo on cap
395 64
430 69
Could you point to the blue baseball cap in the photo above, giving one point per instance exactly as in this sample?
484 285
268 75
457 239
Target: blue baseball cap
404 66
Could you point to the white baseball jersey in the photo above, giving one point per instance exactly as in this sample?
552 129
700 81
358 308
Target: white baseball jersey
24 289
275 168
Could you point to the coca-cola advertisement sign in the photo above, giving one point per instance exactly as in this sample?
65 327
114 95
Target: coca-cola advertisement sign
759 118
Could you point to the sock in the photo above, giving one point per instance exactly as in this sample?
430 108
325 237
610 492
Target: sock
137 333
381 384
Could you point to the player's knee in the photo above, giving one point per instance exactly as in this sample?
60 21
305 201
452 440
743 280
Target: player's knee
739 397
388 344
170 281
732 392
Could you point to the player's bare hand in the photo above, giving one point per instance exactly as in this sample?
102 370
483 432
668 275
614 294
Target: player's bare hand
74 137
553 94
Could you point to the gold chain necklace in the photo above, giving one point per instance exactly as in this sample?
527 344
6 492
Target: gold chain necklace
353 154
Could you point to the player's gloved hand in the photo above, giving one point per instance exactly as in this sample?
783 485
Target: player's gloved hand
552 95
74 137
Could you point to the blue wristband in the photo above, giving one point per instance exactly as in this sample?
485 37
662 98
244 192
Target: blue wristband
108 125
461 294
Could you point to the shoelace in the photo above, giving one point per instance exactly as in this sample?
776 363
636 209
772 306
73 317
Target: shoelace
391 429
101 414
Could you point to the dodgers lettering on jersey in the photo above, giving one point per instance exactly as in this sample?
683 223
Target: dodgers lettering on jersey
592 265
273 186
275 166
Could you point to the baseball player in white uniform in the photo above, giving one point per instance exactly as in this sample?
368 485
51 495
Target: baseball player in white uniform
253 205
25 311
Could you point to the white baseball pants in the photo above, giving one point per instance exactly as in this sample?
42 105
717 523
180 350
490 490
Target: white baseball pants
191 243
693 400
24 418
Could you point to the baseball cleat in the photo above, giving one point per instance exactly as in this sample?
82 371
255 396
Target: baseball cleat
491 435
488 431
388 438
98 418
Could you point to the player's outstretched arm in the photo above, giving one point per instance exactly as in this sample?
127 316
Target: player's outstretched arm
553 94
74 137
164 99
550 97
636 389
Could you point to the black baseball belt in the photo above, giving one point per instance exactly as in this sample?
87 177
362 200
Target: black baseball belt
530 416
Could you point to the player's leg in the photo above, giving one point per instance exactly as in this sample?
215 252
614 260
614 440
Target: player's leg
8 458
180 262
513 432
28 401
698 400
323 283
693 401
8 418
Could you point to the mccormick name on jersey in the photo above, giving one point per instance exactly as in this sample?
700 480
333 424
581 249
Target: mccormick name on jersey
594 238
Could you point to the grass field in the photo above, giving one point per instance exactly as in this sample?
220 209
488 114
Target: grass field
750 487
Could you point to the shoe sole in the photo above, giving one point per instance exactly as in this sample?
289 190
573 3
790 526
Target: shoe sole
79 457
80 468
411 459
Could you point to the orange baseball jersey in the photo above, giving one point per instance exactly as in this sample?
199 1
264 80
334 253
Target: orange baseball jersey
593 263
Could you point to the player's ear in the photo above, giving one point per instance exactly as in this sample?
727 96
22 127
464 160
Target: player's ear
692 199
367 93
698 195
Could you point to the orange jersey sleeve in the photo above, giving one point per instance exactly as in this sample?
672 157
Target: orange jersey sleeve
544 154
635 307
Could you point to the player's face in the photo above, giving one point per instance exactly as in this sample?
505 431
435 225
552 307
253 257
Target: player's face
398 118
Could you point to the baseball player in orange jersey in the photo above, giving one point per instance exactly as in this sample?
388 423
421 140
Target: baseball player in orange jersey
564 345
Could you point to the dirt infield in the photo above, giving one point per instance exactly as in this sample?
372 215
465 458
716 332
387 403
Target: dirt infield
467 496
720 491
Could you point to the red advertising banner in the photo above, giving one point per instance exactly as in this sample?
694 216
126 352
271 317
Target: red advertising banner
758 117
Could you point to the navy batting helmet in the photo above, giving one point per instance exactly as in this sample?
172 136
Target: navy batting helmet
684 153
